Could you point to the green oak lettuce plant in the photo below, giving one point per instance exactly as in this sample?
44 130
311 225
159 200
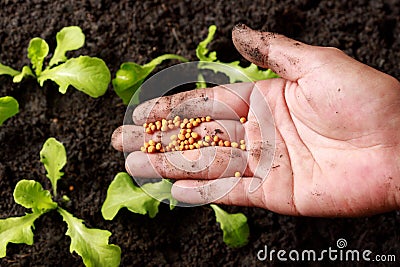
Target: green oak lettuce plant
8 107
91 244
130 75
87 74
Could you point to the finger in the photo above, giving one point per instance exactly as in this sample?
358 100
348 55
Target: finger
129 138
204 163
275 192
227 102
288 58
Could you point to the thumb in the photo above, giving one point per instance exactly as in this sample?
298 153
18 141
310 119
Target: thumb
288 58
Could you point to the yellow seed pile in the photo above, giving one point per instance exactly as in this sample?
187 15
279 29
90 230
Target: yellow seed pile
187 138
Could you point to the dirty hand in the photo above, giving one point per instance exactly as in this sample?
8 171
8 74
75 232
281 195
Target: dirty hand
335 128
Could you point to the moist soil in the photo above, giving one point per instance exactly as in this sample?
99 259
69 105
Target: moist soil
119 31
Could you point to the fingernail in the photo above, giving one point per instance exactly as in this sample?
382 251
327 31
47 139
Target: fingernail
240 27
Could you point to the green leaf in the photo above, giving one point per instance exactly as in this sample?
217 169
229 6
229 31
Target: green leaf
202 50
54 157
17 230
122 193
87 74
91 244
5 70
236 73
31 195
8 108
234 226
26 71
68 39
37 51
130 76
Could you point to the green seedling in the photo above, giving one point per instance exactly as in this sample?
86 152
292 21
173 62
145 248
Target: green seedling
122 193
91 244
87 74
130 76
8 108
234 227
235 72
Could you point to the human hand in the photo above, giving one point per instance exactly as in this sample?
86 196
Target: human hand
336 131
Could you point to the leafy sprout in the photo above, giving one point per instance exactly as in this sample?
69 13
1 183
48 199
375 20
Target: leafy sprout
91 244
87 74
8 108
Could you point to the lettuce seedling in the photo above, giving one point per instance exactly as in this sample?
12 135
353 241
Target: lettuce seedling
234 226
8 107
130 76
252 72
87 74
122 193
91 244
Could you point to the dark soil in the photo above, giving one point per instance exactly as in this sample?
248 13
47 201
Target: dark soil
119 31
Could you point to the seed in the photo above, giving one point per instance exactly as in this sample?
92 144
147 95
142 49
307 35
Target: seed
71 188
191 147
177 118
206 144
164 128
203 119
153 128
216 138
227 143
171 126
196 145
143 149
208 118
191 120
195 124
243 120
188 130
185 121
183 131
187 135
149 131
243 147
186 147
145 125
221 143
181 137
189 125
177 123
234 145
152 143
198 120
168 148
207 138
191 140
237 174
183 125
186 142
213 143
151 149
158 146
194 135
242 142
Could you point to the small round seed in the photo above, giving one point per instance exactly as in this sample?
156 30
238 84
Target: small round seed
234 145
243 119
237 174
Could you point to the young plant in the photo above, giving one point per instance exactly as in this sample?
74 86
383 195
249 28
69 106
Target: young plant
252 72
8 108
122 193
87 74
130 76
91 244
234 227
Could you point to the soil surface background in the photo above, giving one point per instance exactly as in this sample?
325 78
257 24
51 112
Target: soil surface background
138 31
